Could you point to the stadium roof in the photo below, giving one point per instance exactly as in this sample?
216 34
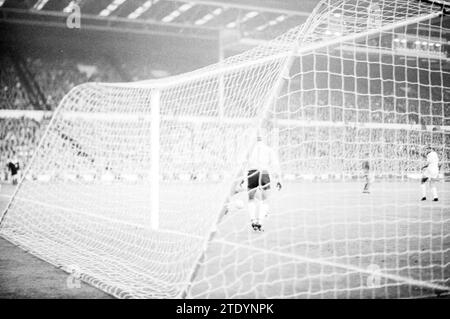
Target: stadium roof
205 19
207 29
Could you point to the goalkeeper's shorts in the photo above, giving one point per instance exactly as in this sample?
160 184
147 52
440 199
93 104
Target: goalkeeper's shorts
431 173
257 180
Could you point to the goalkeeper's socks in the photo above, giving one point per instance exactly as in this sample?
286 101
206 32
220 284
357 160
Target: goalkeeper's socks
252 210
434 191
424 190
435 199
423 198
264 209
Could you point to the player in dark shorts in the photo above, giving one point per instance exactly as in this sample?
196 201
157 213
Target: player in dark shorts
262 160
255 180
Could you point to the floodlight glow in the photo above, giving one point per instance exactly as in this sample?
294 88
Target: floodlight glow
209 16
261 27
175 14
185 7
69 7
168 18
140 10
251 14
147 5
104 13
231 25
272 22
200 22
217 11
171 17
40 4
111 8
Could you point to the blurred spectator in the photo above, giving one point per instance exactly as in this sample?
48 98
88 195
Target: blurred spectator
56 77
12 94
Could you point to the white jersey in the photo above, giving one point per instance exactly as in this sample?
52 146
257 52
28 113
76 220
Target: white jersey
433 160
263 158
432 170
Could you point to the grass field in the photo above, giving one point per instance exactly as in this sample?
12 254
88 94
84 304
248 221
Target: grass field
322 237
23 275
321 240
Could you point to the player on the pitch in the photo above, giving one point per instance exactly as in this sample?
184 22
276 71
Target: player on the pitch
262 164
13 166
430 173
366 172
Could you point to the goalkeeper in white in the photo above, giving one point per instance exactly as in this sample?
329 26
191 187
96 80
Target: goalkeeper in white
262 167
430 173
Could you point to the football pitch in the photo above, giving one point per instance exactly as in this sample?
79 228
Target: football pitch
320 240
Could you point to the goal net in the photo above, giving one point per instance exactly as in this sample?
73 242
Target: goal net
133 184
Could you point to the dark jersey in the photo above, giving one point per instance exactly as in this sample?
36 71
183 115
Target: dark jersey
13 168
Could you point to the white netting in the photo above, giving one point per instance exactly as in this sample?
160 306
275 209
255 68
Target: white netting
331 93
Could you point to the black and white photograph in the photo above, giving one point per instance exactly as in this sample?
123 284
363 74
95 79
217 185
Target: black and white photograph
237 150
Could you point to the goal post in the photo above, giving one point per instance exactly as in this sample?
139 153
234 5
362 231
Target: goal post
155 105
134 182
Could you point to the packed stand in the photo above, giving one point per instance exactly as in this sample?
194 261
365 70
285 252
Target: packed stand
55 77
12 95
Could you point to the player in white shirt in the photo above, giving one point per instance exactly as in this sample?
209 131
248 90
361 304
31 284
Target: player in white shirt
430 173
262 164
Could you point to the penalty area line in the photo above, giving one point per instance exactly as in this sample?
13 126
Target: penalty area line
397 278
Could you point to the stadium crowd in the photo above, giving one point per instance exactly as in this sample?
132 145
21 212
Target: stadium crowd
12 94
55 77
325 147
